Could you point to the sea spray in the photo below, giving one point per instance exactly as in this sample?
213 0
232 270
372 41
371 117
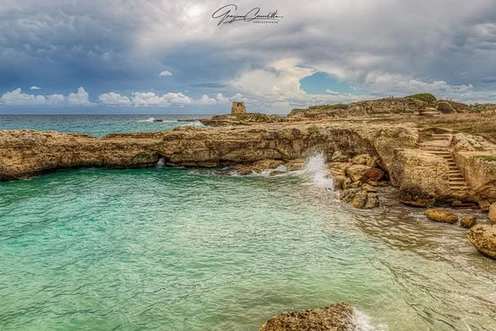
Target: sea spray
363 322
316 167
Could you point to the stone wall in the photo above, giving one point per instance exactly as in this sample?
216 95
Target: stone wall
238 108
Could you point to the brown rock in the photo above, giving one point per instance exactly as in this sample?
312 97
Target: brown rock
372 200
492 213
369 188
439 215
348 195
483 237
336 317
341 182
294 165
360 199
356 171
468 221
372 175
266 164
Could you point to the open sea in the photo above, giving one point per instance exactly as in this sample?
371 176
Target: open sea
196 249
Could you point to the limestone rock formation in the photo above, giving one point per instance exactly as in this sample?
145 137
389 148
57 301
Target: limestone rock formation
439 215
483 237
25 153
468 221
420 176
492 213
336 317
356 171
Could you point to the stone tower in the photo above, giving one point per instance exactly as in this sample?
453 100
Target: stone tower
238 108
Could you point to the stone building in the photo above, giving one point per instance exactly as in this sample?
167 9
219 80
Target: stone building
238 108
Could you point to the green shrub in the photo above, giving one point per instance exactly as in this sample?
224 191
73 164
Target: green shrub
427 97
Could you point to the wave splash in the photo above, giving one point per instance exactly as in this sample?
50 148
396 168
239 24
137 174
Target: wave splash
316 167
363 322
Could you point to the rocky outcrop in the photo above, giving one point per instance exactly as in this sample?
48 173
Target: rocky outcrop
422 178
483 237
241 119
439 215
336 317
476 157
24 153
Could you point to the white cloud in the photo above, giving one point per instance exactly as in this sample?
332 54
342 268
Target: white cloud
81 98
34 87
165 73
19 98
114 99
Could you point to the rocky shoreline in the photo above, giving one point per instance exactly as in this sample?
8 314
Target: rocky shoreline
426 168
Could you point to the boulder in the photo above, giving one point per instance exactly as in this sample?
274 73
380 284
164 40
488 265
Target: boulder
483 237
336 317
360 199
341 182
445 107
492 213
372 175
348 194
421 177
468 221
372 200
439 215
356 171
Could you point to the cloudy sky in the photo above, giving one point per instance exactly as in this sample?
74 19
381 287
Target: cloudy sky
174 57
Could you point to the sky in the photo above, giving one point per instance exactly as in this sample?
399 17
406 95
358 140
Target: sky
173 56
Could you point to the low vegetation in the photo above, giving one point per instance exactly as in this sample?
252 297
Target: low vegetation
426 97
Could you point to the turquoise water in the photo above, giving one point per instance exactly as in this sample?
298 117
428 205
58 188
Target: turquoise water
179 249
97 125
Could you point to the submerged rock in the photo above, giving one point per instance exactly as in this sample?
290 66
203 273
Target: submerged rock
439 215
468 221
483 237
372 200
336 317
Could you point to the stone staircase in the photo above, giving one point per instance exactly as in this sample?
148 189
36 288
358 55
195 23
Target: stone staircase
440 146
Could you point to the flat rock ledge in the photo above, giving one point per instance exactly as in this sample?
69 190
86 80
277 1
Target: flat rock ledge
336 317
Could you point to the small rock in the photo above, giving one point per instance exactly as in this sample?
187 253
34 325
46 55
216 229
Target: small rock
341 182
483 237
492 213
338 156
360 199
372 200
348 195
369 188
439 215
468 221
336 317
243 170
294 165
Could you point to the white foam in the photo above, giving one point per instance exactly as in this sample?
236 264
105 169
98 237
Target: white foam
196 124
316 167
363 322
161 163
